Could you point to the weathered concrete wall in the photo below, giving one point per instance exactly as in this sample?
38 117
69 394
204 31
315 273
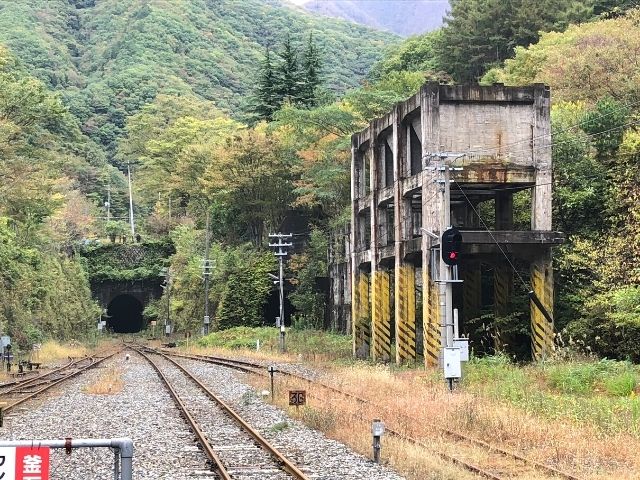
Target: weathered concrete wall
501 137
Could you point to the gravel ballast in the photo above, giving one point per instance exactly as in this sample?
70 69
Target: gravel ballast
164 446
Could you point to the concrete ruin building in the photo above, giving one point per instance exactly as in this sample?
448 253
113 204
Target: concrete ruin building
499 140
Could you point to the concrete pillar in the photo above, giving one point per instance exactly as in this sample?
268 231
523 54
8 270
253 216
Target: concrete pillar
360 314
430 126
405 310
430 319
380 316
404 277
542 331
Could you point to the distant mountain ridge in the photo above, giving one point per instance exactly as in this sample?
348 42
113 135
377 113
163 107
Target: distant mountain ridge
403 17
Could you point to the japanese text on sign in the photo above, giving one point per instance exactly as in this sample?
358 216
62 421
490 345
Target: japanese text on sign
24 463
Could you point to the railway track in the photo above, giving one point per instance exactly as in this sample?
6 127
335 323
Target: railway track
233 447
15 393
517 462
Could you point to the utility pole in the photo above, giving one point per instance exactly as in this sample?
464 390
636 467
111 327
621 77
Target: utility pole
448 328
108 203
133 229
281 253
167 288
207 268
444 287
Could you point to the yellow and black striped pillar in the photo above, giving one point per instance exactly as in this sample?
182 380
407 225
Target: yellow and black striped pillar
361 315
542 332
430 319
380 316
405 309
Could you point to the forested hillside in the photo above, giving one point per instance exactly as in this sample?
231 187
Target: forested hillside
111 57
214 123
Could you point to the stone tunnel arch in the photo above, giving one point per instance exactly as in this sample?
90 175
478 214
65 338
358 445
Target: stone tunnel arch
124 314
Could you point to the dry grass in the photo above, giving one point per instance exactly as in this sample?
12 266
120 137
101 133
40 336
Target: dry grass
53 351
109 383
416 403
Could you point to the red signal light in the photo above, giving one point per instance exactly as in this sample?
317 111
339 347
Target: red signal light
451 246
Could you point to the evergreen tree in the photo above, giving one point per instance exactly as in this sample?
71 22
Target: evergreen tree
311 67
267 98
481 33
289 84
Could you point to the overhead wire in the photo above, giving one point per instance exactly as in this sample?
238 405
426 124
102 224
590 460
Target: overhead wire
525 284
565 130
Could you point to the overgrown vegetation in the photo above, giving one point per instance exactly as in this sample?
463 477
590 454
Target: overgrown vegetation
312 344
166 98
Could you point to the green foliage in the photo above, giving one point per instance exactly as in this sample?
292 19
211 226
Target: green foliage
246 290
293 80
43 294
416 54
617 378
581 188
126 262
611 323
606 123
481 33
306 342
587 62
600 394
252 176
377 99
621 385
308 268
239 284
112 57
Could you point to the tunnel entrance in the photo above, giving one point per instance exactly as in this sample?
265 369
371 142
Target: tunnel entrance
124 314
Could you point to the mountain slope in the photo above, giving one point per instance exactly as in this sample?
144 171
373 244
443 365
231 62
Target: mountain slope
408 17
110 57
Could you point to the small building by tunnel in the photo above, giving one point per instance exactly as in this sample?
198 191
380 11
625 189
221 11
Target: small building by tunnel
124 314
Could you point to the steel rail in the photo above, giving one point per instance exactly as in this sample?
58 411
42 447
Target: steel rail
280 458
20 401
215 460
249 367
40 379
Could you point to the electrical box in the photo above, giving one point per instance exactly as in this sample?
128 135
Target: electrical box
452 363
463 345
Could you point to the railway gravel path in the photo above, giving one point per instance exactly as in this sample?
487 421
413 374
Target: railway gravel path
164 445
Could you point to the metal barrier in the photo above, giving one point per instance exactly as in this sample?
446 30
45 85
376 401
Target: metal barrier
122 448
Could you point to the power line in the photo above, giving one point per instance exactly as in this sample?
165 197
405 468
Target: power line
565 130
527 286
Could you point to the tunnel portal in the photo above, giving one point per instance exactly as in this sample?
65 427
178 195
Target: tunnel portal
124 314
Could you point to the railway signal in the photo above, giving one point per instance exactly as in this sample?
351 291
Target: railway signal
451 246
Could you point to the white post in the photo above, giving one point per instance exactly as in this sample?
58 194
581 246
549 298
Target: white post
133 229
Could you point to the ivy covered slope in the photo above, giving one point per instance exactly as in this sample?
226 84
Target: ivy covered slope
113 56
127 262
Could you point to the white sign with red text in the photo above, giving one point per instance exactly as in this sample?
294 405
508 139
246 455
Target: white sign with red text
24 463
